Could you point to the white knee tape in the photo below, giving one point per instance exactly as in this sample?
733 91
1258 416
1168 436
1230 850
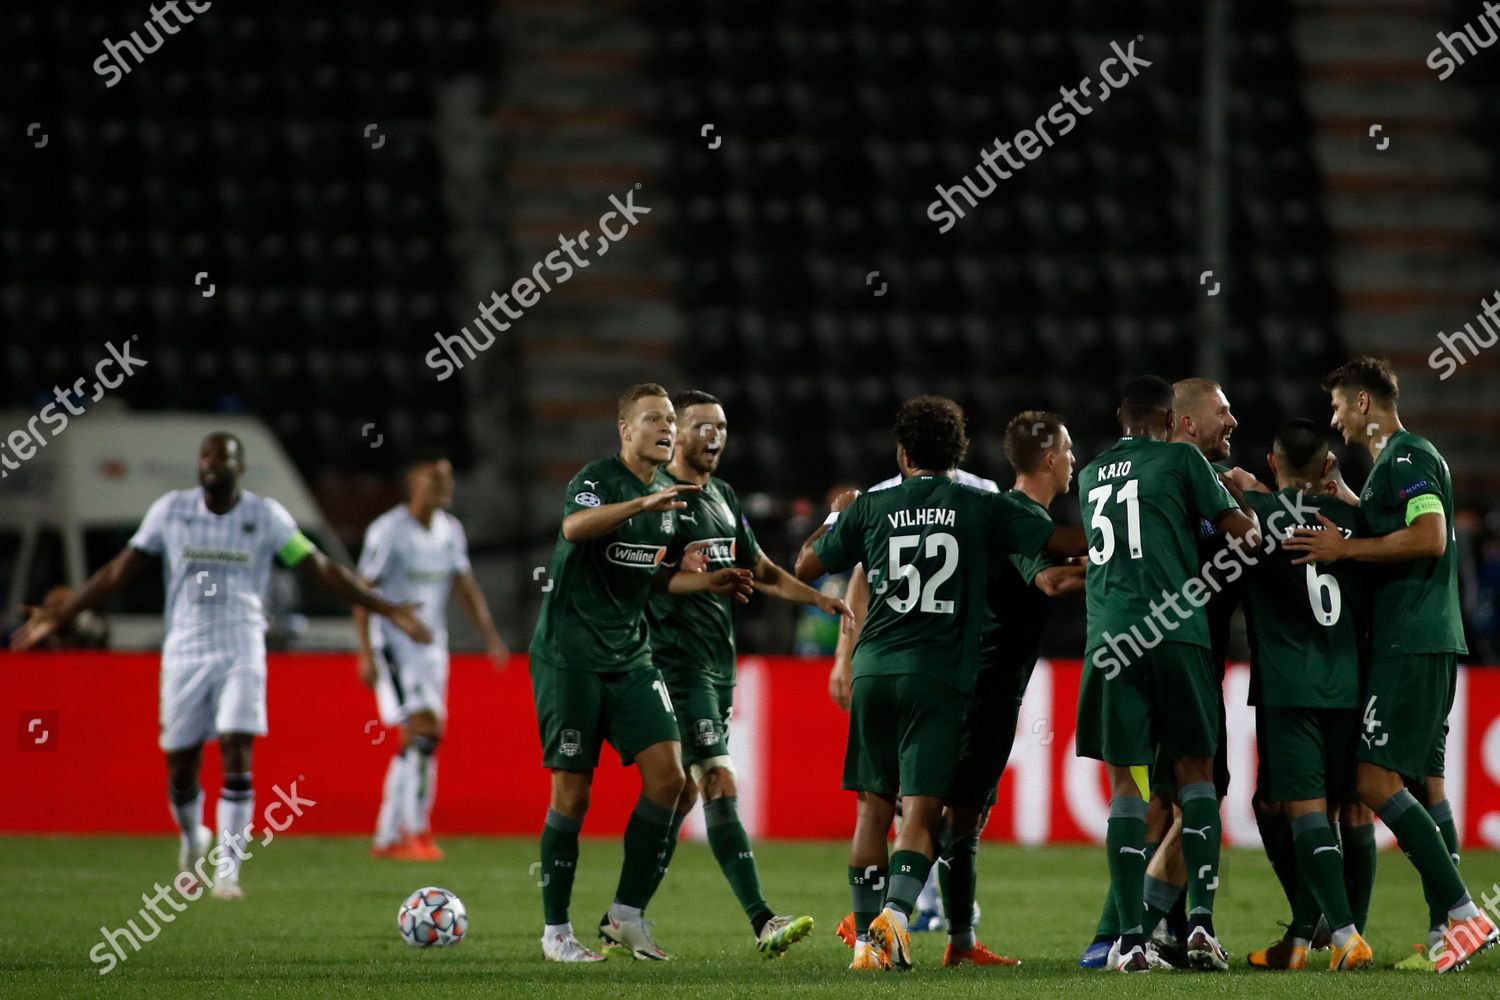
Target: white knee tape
699 768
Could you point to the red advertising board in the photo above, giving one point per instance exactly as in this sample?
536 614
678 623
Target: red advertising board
82 756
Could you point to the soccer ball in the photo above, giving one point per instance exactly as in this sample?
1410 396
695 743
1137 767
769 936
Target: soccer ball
432 918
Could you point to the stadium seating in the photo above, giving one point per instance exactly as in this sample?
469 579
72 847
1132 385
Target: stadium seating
844 116
238 149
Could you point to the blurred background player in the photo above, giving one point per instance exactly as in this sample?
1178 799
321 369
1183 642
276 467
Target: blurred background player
1416 635
931 541
592 674
215 544
1146 498
692 644
417 551
1305 636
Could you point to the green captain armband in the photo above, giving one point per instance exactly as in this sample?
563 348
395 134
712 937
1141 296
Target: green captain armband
296 549
1425 504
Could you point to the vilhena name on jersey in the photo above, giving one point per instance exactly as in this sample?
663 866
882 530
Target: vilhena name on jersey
923 517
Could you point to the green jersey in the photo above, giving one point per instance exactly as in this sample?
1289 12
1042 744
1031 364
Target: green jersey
694 633
1304 620
927 546
1011 635
1145 501
1415 602
594 615
1230 595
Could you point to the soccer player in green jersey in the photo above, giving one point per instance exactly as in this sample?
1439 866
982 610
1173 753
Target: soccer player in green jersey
928 545
1305 632
591 669
692 644
1040 450
1416 636
1203 418
1145 498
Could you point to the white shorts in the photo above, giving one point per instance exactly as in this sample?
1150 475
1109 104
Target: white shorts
203 696
409 680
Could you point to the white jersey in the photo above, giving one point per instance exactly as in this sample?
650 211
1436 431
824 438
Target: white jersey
959 476
412 563
216 568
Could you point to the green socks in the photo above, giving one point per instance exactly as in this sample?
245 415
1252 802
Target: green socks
866 895
645 843
731 846
1321 867
958 877
664 860
559 865
1360 857
1202 832
1276 839
1442 815
1125 851
1419 838
908 875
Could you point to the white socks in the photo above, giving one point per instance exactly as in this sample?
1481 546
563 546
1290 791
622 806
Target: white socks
391 823
234 812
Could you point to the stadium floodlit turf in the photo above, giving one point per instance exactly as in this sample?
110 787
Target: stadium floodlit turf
319 920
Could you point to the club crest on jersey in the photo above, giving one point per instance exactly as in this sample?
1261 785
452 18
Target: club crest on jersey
707 733
634 555
587 499
571 743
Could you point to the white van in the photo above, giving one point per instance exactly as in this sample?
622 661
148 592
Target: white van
76 502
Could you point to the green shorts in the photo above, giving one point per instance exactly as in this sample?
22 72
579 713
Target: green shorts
904 735
1308 752
1164 769
703 707
1404 726
577 710
989 732
1169 697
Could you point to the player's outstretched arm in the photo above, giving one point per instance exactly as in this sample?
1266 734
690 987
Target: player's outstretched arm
1425 538
595 522
472 598
347 587
1067 541
119 571
1244 480
1055 581
773 580
366 662
730 582
1238 522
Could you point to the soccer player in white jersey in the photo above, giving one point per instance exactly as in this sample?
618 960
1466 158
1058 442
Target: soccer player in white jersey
216 544
417 552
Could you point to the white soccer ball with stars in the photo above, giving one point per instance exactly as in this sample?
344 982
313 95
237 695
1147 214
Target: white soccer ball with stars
432 918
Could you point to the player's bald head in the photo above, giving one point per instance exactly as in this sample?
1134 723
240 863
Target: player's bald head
1188 394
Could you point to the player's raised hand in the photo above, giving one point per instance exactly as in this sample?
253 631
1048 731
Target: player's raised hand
1244 480
39 625
667 499
836 606
404 617
1323 545
843 500
738 583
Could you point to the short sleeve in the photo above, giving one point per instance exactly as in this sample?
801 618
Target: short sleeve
375 553
1029 566
1210 498
150 537
1413 473
460 548
587 490
1017 529
289 545
838 549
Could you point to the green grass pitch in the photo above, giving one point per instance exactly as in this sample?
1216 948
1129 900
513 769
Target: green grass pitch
320 920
